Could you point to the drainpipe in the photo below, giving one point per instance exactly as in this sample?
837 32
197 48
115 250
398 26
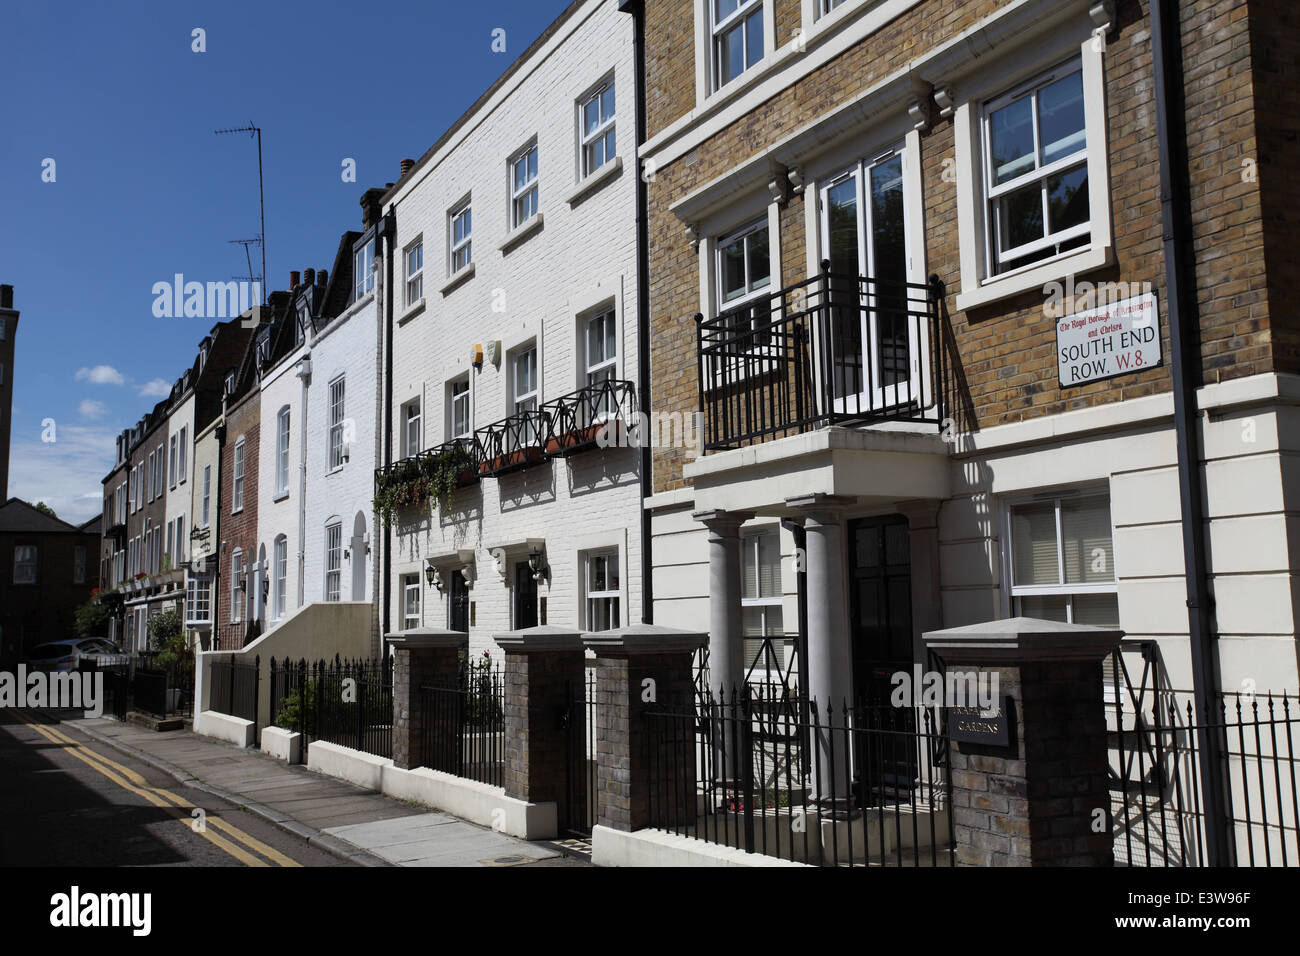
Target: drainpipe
1180 284
304 376
637 9
388 229
218 557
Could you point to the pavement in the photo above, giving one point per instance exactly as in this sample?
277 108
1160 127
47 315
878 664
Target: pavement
358 826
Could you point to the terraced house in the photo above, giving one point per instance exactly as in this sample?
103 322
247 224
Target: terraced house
511 279
982 303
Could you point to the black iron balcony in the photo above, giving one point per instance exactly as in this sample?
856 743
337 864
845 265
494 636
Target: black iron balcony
512 443
430 474
598 415
834 349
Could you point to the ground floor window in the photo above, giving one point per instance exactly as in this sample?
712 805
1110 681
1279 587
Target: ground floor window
198 601
333 561
410 600
1062 560
603 591
760 598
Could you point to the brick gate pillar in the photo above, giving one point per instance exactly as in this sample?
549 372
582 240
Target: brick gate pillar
1030 783
424 655
639 667
544 675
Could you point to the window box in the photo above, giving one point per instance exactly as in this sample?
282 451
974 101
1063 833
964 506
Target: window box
431 475
576 422
512 443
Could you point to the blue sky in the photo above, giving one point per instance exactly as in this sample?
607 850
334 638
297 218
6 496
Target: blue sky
143 189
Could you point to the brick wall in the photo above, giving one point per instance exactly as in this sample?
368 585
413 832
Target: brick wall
237 530
1005 363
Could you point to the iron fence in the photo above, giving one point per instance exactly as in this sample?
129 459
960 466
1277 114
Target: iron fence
784 777
578 810
349 703
464 725
512 443
833 348
236 687
583 419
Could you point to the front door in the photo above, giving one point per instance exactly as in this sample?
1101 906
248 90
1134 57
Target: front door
525 596
881 581
458 603
870 345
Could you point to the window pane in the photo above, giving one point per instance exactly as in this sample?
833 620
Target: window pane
1021 213
607 103
1033 545
1047 607
733 270
731 54
1085 527
754 39
769 565
760 266
1012 148
1101 610
591 115
724 9
1067 199
1060 117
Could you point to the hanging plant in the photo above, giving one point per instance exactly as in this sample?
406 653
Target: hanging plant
433 477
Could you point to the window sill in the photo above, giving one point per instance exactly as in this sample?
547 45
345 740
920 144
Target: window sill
594 181
412 311
462 275
1034 278
280 496
235 511
520 233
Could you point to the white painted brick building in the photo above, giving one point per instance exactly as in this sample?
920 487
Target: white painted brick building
549 269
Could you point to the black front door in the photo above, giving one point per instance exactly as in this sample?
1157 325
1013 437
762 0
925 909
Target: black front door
881 574
458 604
525 596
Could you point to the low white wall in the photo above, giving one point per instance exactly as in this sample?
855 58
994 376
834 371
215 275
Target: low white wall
282 744
658 848
365 770
234 730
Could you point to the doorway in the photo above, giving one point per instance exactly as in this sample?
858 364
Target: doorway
525 597
880 574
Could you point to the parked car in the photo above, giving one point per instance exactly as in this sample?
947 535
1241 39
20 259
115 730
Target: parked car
65 655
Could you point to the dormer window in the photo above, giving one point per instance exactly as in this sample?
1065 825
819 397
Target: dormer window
230 383
363 276
300 327
263 348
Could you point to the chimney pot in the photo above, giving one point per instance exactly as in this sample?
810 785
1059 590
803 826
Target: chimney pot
322 277
294 281
309 276
406 166
6 297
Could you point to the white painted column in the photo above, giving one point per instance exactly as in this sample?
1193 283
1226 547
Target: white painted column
923 545
726 642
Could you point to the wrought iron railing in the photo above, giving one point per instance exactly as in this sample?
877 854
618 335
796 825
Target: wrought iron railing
597 414
235 687
464 725
512 443
832 349
349 703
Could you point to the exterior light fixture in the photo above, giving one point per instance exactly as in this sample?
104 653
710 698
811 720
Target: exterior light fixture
536 565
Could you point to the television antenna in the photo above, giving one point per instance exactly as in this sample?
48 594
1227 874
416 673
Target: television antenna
261 200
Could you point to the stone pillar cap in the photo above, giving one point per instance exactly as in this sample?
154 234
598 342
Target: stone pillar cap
416 638
1022 639
545 637
644 639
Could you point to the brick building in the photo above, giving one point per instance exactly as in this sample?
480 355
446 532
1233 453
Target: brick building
47 570
237 499
974 410
514 338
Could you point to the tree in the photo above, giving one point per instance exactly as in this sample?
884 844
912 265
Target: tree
45 509
92 619
167 636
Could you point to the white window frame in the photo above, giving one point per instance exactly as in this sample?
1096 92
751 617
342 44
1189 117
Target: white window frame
979 284
236 602
283 435
750 538
173 460
363 273
608 594
26 557
181 468
334 561
413 262
338 415
530 400
594 370
456 400
752 293
588 140
198 601
1011 591
519 193
460 248
237 479
280 573
411 587
717 29
412 429
207 495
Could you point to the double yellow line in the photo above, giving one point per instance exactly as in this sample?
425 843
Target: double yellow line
178 807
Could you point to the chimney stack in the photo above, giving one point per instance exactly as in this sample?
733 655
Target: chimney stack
294 281
406 166
6 297
309 277
322 277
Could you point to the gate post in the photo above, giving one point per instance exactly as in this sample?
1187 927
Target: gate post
638 667
1030 782
542 666
420 655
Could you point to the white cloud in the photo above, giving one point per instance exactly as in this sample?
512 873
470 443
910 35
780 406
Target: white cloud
101 375
155 388
89 408
67 474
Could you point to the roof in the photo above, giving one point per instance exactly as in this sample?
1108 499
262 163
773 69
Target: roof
17 515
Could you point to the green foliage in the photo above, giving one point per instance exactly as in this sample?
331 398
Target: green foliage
45 509
414 482
92 619
299 708
167 635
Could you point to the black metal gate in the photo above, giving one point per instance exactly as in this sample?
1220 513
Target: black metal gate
577 812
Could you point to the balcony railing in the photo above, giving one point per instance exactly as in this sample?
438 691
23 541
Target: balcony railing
576 422
832 349
512 443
